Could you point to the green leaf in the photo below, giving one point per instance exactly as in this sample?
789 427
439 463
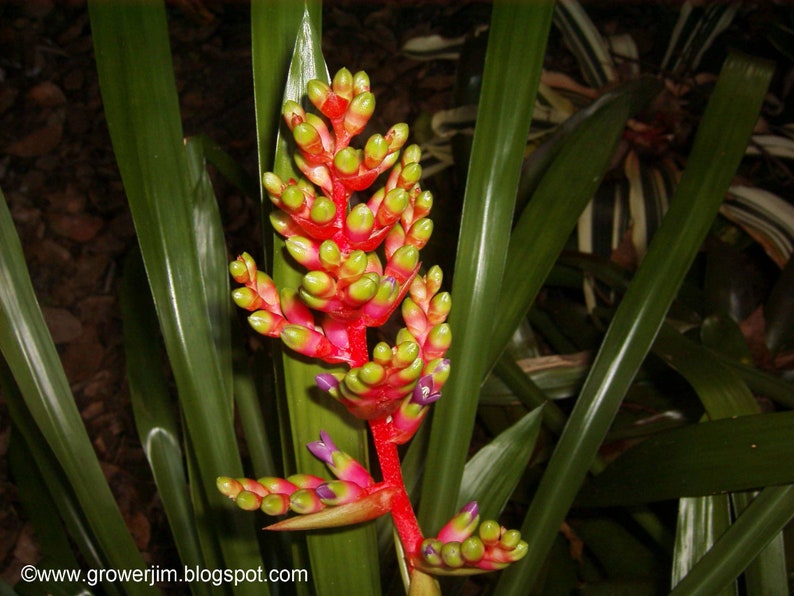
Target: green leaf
731 454
344 560
152 408
513 64
719 145
493 472
763 519
140 101
30 353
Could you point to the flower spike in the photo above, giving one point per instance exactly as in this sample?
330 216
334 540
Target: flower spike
360 248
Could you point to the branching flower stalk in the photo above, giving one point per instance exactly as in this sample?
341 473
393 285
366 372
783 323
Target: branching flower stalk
362 261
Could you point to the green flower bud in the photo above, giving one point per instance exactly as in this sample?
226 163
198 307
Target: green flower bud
292 198
375 151
510 539
275 504
372 373
472 549
307 138
304 501
272 183
382 353
397 136
354 266
411 154
228 487
490 531
360 83
293 113
439 308
323 211
354 384
403 262
431 551
248 501
451 555
405 354
343 84
246 298
409 175
364 289
318 92
359 223
319 283
433 279
347 161
423 203
266 323
393 205
302 250
439 339
330 255
420 232
359 112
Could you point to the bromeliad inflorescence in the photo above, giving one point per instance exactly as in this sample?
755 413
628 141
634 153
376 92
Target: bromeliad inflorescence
350 286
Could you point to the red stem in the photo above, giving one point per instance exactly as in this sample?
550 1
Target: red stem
402 511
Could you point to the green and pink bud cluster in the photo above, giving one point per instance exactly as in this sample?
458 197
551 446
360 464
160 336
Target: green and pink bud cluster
401 381
309 495
362 259
457 550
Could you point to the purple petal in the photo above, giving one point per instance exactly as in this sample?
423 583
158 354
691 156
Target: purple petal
423 393
471 508
326 381
324 492
323 449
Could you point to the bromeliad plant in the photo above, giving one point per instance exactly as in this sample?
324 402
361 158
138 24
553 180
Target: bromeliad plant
348 289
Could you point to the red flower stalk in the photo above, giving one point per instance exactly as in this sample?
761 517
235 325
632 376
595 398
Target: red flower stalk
362 261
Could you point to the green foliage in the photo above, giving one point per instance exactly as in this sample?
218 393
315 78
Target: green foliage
545 465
